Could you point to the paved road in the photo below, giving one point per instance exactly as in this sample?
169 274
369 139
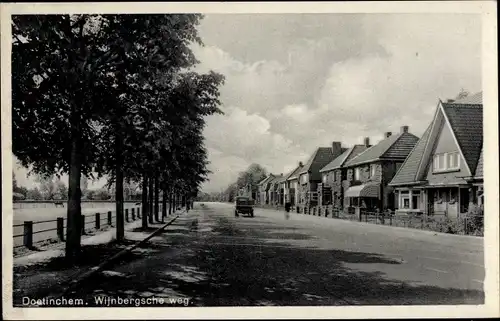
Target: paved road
212 258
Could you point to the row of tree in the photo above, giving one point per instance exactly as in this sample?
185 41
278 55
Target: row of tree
112 96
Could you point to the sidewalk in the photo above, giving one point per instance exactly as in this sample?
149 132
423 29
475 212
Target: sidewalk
38 274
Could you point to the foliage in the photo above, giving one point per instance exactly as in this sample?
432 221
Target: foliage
112 94
34 194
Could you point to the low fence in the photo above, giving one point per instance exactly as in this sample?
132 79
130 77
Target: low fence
26 204
468 224
29 233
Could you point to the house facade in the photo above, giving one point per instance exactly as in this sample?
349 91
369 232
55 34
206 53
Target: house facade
369 173
309 176
333 174
443 173
292 185
263 188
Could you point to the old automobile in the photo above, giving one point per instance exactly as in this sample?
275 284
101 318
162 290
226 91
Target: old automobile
243 205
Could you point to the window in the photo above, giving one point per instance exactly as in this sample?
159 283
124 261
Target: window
356 174
324 178
303 179
453 161
372 171
404 199
446 161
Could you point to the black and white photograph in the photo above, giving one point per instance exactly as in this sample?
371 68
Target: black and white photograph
235 160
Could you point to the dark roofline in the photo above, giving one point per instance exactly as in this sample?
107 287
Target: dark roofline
407 183
350 150
381 158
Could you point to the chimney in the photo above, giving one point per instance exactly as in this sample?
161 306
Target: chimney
367 141
336 148
387 134
404 129
301 164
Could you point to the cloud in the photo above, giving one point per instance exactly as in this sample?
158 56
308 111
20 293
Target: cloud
287 95
238 138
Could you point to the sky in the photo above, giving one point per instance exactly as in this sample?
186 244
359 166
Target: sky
295 82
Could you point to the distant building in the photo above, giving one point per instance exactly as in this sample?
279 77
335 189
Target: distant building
335 173
369 173
310 176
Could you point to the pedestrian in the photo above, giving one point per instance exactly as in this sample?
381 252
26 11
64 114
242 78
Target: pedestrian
287 210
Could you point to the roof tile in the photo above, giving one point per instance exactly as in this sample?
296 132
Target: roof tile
479 168
407 172
344 157
395 146
466 121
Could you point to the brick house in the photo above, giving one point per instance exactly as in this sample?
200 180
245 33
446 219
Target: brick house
334 173
292 185
369 173
310 177
444 172
274 189
263 188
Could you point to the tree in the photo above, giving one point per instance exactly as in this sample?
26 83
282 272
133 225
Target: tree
59 79
34 194
61 189
48 187
119 86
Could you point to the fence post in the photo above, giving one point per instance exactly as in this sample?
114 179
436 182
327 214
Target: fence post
28 234
110 219
60 228
82 222
133 214
126 215
97 221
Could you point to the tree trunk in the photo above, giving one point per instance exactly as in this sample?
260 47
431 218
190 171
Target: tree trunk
164 205
73 230
120 221
170 202
145 207
151 200
174 201
157 199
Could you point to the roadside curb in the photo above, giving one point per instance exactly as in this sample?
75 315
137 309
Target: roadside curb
107 262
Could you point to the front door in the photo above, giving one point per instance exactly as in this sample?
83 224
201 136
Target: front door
430 202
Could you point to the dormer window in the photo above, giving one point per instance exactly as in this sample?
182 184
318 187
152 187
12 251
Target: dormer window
443 162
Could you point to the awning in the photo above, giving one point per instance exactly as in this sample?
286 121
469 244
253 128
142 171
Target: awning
366 190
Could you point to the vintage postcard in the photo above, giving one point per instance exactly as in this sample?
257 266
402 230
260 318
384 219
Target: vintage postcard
221 160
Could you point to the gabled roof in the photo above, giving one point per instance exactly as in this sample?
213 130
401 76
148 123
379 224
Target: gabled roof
294 174
393 147
347 155
265 180
321 157
408 171
479 168
466 122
